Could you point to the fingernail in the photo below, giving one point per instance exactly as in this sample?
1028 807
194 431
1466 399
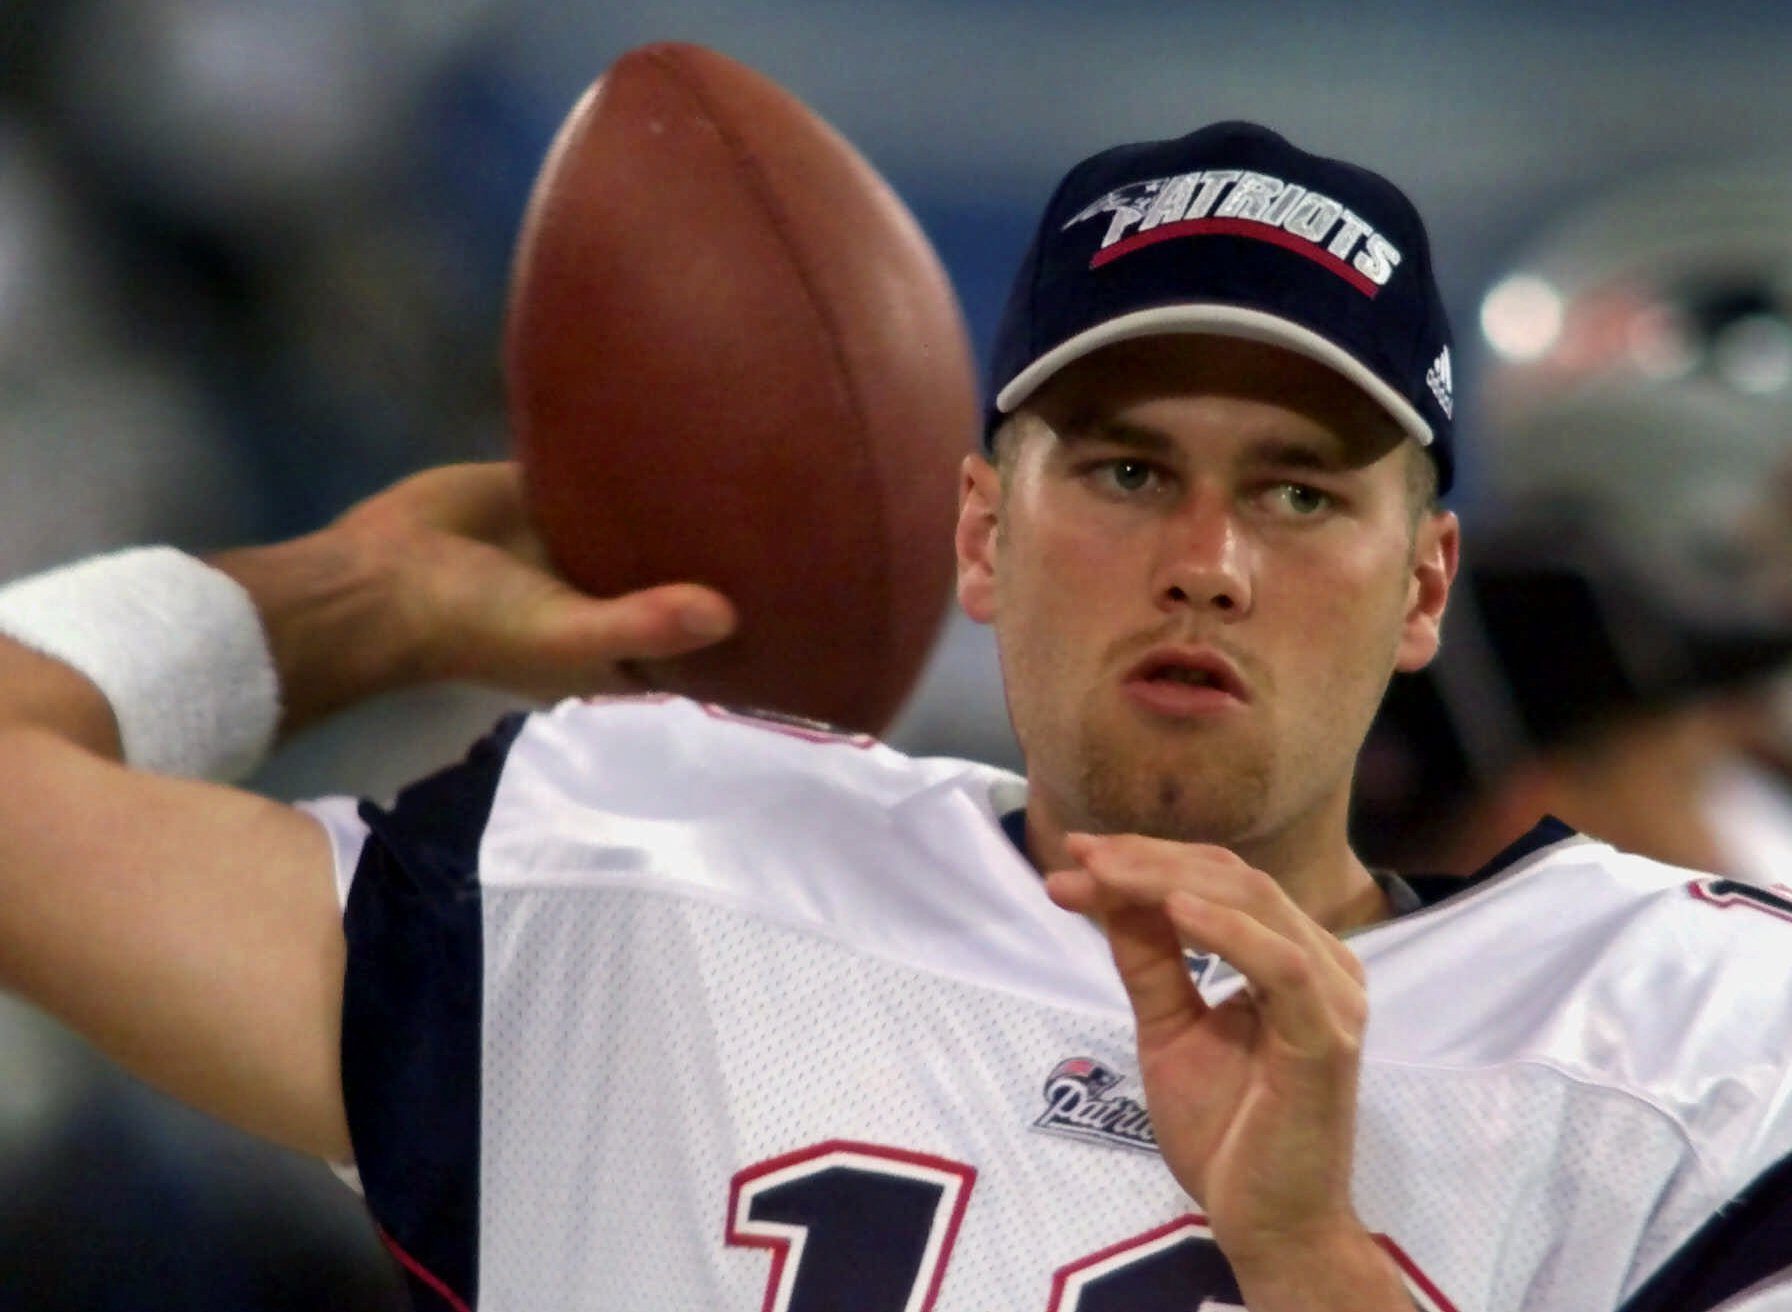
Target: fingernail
706 622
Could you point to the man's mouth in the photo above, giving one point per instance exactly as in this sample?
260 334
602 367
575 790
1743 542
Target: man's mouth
1182 674
1189 667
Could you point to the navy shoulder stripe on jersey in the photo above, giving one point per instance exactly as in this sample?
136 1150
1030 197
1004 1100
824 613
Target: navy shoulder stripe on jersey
411 1013
1403 891
1743 1245
1547 832
1014 824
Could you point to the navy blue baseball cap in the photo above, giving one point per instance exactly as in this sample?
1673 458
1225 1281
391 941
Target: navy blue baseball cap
1231 230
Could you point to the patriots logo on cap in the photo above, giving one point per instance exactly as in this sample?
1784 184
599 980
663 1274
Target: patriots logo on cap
1240 203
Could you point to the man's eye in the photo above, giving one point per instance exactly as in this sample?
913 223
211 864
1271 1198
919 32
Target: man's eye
1302 501
1128 475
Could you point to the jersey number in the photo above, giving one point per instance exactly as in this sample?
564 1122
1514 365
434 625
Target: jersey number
1733 893
851 1225
872 1228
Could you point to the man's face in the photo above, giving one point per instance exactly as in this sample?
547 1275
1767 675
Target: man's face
1203 563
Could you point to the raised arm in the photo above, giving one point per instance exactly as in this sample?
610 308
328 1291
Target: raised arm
190 929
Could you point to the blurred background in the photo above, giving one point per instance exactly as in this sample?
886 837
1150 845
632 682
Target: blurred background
252 261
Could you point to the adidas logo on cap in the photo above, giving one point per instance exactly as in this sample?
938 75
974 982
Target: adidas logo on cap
1437 377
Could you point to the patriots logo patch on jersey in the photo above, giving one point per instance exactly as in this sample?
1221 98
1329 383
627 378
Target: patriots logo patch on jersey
1079 1104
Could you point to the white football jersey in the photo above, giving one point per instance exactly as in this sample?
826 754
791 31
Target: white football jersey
654 1006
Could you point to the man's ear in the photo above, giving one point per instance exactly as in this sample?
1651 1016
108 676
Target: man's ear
979 504
1437 550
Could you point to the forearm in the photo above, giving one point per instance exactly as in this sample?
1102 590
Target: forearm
37 691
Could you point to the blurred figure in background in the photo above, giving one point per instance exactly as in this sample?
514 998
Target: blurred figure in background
1568 686
1622 657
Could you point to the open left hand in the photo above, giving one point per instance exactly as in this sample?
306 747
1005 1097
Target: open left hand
1253 1101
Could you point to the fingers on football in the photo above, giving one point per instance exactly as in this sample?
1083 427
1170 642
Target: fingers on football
482 501
655 622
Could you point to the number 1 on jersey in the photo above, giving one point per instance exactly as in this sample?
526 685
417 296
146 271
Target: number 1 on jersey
851 1225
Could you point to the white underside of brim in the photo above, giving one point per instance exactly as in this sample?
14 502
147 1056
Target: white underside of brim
1221 321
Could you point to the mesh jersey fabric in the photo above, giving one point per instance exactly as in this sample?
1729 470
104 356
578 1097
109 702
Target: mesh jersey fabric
758 1008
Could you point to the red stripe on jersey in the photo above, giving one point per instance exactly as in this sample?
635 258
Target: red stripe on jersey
1414 1276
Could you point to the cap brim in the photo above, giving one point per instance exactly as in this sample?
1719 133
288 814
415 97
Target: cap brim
1219 321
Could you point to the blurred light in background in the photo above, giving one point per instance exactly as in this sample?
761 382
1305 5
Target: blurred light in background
1522 317
1754 354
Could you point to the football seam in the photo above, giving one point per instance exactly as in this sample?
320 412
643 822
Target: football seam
761 190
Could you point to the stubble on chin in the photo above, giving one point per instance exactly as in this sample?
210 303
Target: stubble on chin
1169 794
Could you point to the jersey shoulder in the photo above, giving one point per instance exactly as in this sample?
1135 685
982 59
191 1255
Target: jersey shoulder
662 773
1562 901
669 757
1660 983
1629 909
781 819
785 823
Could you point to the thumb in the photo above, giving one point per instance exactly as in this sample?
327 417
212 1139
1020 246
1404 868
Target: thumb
578 630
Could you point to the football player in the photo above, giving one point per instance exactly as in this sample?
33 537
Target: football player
657 1004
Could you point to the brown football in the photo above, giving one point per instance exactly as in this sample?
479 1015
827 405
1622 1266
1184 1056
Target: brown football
732 357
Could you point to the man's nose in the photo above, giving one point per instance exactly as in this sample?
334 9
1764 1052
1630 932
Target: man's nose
1204 559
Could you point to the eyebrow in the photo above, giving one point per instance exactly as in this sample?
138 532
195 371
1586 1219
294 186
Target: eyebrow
1297 455
1280 453
1116 432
